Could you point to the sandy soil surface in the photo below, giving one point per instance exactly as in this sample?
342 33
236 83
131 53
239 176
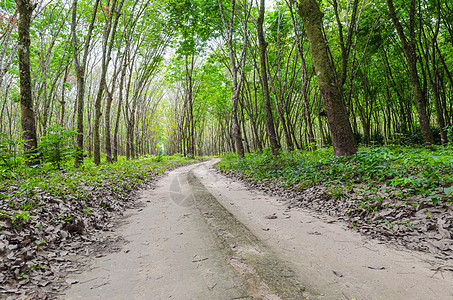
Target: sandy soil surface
203 236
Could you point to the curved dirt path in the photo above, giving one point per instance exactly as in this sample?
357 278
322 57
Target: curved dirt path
184 244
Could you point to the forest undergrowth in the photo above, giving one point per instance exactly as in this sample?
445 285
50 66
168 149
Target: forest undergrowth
49 215
392 193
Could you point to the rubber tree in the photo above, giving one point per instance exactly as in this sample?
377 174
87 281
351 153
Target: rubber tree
285 74
80 66
234 70
26 8
107 45
429 41
132 20
329 85
410 52
193 23
275 146
305 80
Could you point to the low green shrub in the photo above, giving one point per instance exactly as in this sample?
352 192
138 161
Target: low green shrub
57 146
417 170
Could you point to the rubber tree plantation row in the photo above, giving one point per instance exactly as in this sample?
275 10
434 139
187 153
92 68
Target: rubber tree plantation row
202 77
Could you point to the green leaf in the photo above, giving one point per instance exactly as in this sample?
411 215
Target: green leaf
448 190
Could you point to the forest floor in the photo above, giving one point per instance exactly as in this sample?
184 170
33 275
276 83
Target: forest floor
197 234
201 235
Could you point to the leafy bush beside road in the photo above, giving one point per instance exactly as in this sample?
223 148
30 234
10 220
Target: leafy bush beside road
418 170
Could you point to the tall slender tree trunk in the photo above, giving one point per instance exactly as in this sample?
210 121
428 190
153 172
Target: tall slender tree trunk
305 83
265 83
237 82
410 52
97 121
26 8
109 36
130 151
80 74
246 141
62 100
279 94
342 136
118 114
278 105
108 109
108 139
189 105
307 111
403 119
431 60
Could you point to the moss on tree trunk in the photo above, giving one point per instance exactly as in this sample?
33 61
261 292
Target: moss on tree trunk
26 8
340 128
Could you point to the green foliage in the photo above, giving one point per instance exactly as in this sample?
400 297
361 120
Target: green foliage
406 171
193 21
88 184
9 155
20 218
40 244
57 146
416 137
122 176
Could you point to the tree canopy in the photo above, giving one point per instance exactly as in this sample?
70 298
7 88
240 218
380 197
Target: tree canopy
203 77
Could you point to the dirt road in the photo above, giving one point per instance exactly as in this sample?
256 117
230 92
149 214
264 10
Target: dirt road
203 236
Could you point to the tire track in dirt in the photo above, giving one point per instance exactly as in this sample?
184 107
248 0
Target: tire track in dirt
203 236
267 276
171 253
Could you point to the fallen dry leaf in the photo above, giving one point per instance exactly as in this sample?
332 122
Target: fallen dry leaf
44 283
71 281
337 273
314 233
375 268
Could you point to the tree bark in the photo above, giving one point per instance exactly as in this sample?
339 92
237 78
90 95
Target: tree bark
409 49
279 86
80 74
108 107
62 100
109 35
237 82
329 85
118 112
26 8
188 95
265 83
345 47
433 74
246 141
108 142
